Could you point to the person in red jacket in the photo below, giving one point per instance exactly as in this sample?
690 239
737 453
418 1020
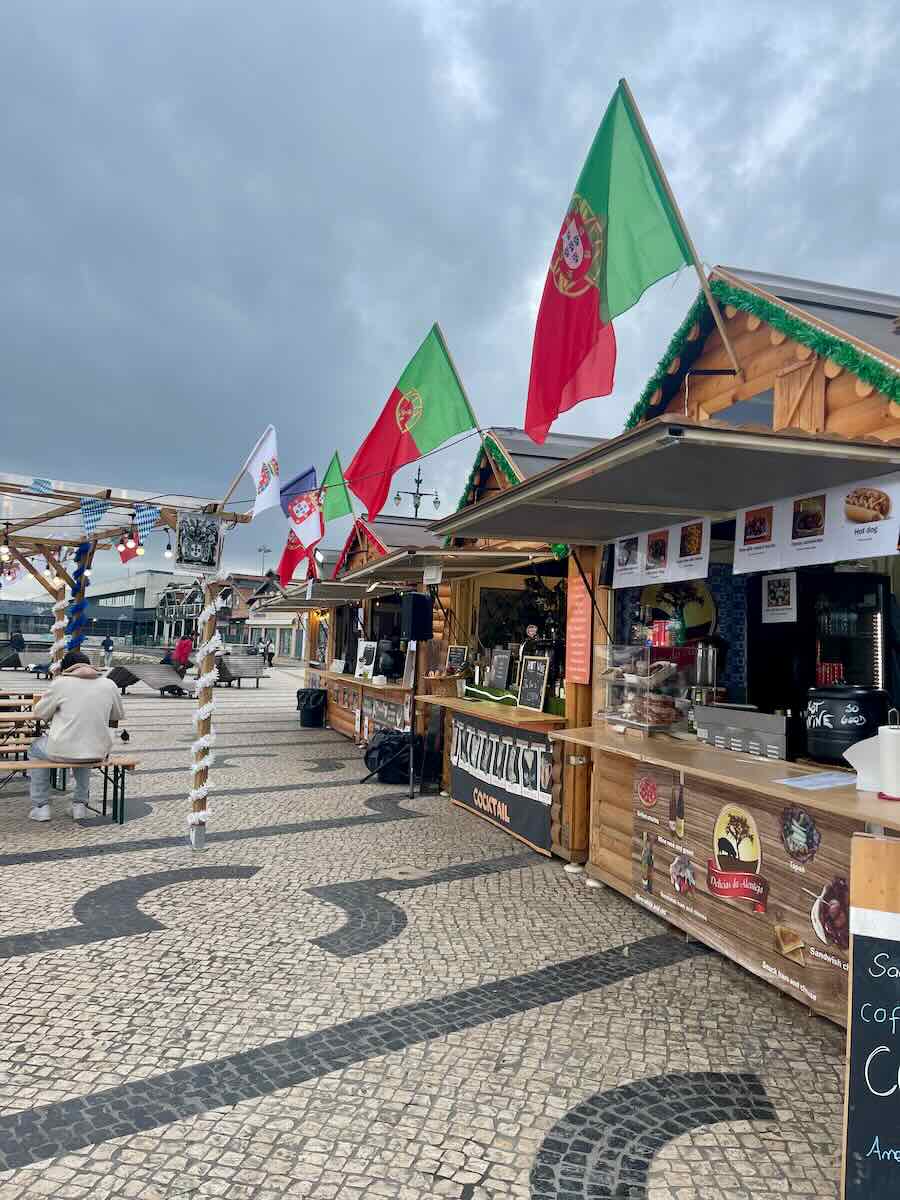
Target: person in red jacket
181 655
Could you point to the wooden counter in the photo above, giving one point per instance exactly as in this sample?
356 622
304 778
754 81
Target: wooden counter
712 842
357 707
498 765
739 770
501 714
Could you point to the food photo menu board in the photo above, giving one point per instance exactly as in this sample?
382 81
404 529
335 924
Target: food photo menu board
858 520
669 555
763 881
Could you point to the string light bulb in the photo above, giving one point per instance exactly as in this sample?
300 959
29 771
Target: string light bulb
168 552
120 546
130 542
139 550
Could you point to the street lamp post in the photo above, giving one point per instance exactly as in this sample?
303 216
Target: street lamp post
262 551
418 495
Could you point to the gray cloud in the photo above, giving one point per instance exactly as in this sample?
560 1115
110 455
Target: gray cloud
218 215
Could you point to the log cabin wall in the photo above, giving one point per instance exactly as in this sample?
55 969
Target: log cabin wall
809 393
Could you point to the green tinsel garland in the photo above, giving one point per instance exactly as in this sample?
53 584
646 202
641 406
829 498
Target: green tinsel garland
865 366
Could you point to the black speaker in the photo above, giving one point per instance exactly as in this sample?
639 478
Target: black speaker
416 617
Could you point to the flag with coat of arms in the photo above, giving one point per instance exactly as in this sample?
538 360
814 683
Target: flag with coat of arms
302 505
262 467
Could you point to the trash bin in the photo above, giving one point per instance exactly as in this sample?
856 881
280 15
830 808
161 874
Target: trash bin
311 706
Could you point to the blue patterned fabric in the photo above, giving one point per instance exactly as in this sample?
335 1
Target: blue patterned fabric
145 518
42 485
92 513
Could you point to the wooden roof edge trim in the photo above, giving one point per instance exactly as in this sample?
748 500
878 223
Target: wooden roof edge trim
868 363
358 525
498 459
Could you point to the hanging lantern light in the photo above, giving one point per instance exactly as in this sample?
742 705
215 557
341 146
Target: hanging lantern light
168 552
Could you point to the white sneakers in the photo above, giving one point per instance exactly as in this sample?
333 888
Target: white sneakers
41 812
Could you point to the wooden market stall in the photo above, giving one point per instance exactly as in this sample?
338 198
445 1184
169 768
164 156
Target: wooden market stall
718 833
488 592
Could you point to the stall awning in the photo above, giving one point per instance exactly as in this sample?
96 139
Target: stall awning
664 472
318 593
408 566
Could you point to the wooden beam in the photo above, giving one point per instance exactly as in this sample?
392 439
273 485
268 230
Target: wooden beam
32 571
57 567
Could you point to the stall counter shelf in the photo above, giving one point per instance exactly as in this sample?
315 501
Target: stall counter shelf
357 707
715 844
498 765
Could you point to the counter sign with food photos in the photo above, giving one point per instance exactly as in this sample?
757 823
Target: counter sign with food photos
763 881
858 520
670 555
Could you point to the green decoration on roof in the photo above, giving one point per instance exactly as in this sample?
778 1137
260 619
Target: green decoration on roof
851 357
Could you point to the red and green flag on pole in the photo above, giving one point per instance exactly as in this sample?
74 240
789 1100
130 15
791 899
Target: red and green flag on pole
426 408
622 232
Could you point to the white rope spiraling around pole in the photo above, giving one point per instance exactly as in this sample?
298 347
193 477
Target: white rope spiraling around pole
204 712
57 628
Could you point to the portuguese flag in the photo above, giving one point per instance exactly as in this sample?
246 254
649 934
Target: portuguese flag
427 407
620 235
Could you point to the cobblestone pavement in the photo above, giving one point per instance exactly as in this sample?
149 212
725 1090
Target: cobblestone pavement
354 994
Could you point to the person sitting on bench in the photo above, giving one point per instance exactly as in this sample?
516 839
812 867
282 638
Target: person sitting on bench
80 704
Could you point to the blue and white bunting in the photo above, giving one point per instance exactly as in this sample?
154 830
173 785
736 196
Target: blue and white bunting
145 518
92 512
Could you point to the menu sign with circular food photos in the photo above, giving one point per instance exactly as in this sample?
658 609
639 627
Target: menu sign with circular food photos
856 520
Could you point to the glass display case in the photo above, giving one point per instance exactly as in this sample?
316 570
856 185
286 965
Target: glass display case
646 687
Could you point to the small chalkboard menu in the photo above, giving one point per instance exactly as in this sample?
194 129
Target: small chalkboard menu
498 675
456 657
872 1104
533 681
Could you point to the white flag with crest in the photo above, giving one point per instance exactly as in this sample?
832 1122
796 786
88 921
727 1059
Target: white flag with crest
262 467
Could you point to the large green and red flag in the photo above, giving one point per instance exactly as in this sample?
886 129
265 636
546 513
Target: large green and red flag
427 407
621 234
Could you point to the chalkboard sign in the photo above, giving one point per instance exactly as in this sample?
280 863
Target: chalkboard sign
456 657
498 676
533 681
872 1113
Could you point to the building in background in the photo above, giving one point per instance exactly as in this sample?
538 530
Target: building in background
31 618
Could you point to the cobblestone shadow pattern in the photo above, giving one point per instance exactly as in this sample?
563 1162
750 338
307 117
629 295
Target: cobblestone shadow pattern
111 911
64 1126
373 921
602 1149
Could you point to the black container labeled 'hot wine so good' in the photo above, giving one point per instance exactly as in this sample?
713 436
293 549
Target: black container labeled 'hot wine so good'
841 715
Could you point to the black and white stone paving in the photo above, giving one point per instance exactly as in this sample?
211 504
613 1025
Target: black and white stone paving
357 994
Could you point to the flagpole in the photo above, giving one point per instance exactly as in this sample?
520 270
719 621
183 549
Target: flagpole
701 274
462 386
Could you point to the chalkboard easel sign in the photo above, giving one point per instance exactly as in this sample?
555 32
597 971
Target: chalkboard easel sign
872 1102
533 681
498 675
456 657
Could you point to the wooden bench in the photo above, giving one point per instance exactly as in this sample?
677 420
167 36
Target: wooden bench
234 668
113 768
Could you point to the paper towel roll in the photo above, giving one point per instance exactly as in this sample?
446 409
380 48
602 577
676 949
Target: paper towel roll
889 760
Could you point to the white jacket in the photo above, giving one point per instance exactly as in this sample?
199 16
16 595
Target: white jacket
80 704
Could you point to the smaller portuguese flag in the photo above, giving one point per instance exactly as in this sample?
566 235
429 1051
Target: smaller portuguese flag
619 235
427 407
336 500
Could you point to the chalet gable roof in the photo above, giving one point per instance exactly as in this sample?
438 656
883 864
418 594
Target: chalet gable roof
854 328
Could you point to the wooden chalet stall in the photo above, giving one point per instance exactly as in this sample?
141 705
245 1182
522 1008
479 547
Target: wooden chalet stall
508 457
733 829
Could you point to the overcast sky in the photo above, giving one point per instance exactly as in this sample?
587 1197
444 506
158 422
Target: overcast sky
215 215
